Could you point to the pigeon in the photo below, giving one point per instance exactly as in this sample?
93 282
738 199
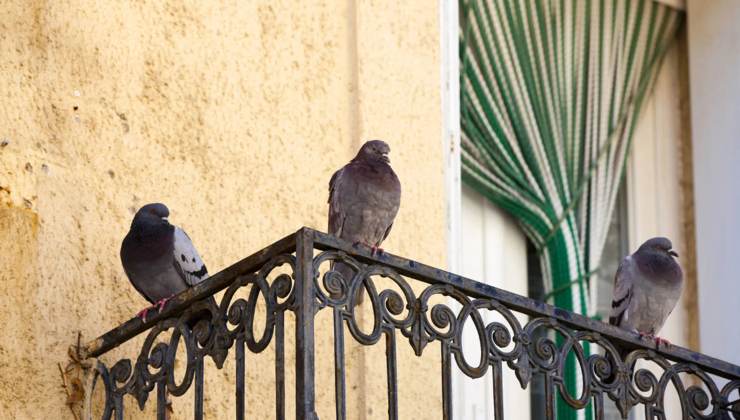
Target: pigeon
364 197
159 259
647 287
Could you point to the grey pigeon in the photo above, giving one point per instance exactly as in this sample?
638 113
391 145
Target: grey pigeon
159 258
647 287
364 197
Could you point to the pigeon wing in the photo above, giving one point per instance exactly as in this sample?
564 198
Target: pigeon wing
387 231
186 259
337 212
363 202
394 198
126 250
622 290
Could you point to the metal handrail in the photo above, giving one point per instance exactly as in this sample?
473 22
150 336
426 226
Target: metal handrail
540 347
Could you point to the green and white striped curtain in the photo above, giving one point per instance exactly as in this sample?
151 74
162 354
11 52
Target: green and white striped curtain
551 92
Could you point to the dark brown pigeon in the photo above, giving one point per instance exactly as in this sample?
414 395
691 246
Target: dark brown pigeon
159 258
647 287
364 197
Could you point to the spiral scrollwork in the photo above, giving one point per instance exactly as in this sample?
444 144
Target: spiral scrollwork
423 311
645 381
601 366
730 398
542 346
498 335
204 329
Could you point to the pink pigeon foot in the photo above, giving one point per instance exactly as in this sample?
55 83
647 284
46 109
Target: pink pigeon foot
658 341
662 341
376 250
363 243
142 313
161 303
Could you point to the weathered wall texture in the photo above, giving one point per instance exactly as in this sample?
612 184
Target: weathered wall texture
235 114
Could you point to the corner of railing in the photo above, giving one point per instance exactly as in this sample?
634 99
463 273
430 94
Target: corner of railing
306 298
182 301
304 333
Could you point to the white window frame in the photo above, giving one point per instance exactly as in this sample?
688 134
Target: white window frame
450 87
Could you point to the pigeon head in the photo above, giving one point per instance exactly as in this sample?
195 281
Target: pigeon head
151 214
659 245
374 150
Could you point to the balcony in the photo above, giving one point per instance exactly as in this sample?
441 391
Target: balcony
414 305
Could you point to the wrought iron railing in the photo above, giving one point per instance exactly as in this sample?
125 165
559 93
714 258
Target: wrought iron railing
420 315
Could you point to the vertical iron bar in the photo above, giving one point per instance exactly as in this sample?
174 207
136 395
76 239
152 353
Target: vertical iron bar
446 381
198 389
107 415
119 407
339 383
161 400
549 398
304 328
240 367
392 375
652 412
498 391
280 366
599 406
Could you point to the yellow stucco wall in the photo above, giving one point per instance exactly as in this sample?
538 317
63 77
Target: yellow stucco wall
235 114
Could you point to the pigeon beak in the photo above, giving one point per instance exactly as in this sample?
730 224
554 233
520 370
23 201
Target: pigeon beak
166 219
674 253
386 159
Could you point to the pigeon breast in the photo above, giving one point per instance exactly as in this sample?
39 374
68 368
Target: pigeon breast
364 200
161 264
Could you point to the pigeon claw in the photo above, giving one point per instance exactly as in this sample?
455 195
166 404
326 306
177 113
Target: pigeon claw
373 249
161 303
658 341
142 313
661 341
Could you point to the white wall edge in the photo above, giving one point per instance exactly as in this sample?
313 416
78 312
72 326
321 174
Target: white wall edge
450 87
450 81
